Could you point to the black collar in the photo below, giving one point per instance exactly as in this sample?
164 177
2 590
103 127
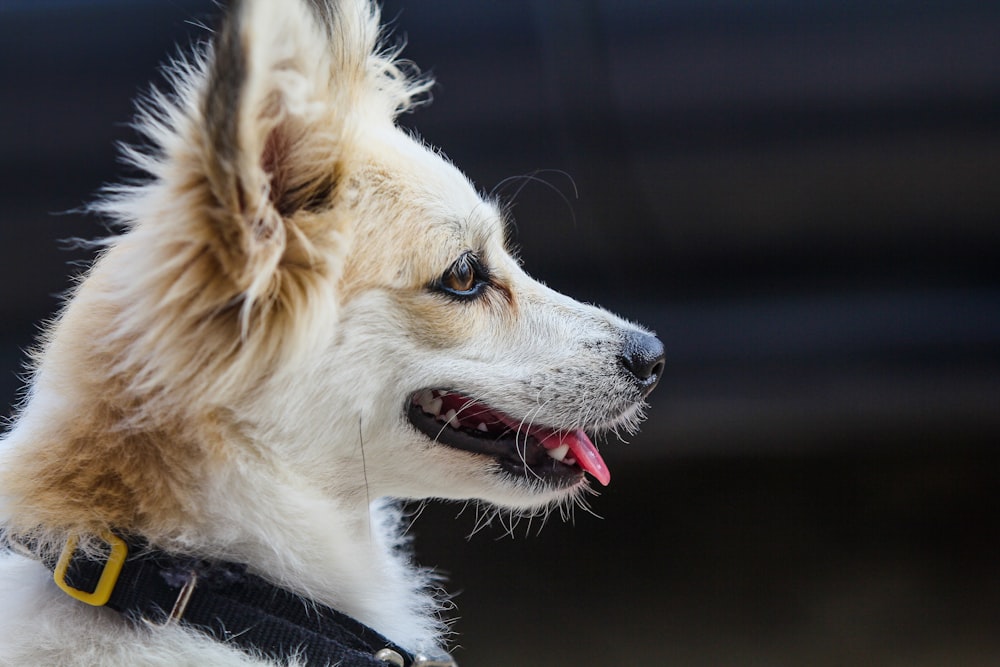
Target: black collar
226 602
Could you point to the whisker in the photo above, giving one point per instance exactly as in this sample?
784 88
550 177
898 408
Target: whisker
533 177
416 514
364 472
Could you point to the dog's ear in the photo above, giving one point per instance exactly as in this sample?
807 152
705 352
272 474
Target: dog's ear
235 246
286 84
271 132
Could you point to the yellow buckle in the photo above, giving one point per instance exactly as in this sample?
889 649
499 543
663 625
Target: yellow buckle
108 579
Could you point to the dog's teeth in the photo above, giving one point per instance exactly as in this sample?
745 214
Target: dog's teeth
558 453
449 417
569 460
431 405
482 427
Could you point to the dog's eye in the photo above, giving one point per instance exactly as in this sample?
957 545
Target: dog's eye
464 277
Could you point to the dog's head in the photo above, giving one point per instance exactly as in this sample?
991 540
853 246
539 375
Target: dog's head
472 380
303 272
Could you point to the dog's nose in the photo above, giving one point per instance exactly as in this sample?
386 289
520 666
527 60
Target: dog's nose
644 358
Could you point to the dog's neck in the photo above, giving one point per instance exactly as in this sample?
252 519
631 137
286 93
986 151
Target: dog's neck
341 553
234 502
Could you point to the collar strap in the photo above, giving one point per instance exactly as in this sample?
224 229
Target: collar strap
223 601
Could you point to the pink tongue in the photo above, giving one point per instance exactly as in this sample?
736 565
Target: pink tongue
586 455
580 446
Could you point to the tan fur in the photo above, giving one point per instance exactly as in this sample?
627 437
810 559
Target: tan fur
235 375
95 477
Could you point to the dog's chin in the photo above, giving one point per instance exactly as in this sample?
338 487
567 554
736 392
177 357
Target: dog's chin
547 458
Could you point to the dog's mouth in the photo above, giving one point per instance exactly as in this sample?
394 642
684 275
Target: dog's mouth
558 456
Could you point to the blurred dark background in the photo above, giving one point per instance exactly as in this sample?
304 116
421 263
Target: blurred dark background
802 197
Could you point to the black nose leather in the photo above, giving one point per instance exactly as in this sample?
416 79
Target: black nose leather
643 357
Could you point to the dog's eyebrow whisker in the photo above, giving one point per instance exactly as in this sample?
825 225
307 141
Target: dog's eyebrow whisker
533 177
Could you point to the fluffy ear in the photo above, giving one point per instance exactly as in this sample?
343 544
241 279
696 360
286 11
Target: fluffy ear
234 247
286 83
275 113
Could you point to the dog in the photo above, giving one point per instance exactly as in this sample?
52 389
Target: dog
306 316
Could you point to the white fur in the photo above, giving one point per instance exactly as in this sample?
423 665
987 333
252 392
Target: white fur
310 439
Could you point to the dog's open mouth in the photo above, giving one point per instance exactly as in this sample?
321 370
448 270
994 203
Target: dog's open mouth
559 456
